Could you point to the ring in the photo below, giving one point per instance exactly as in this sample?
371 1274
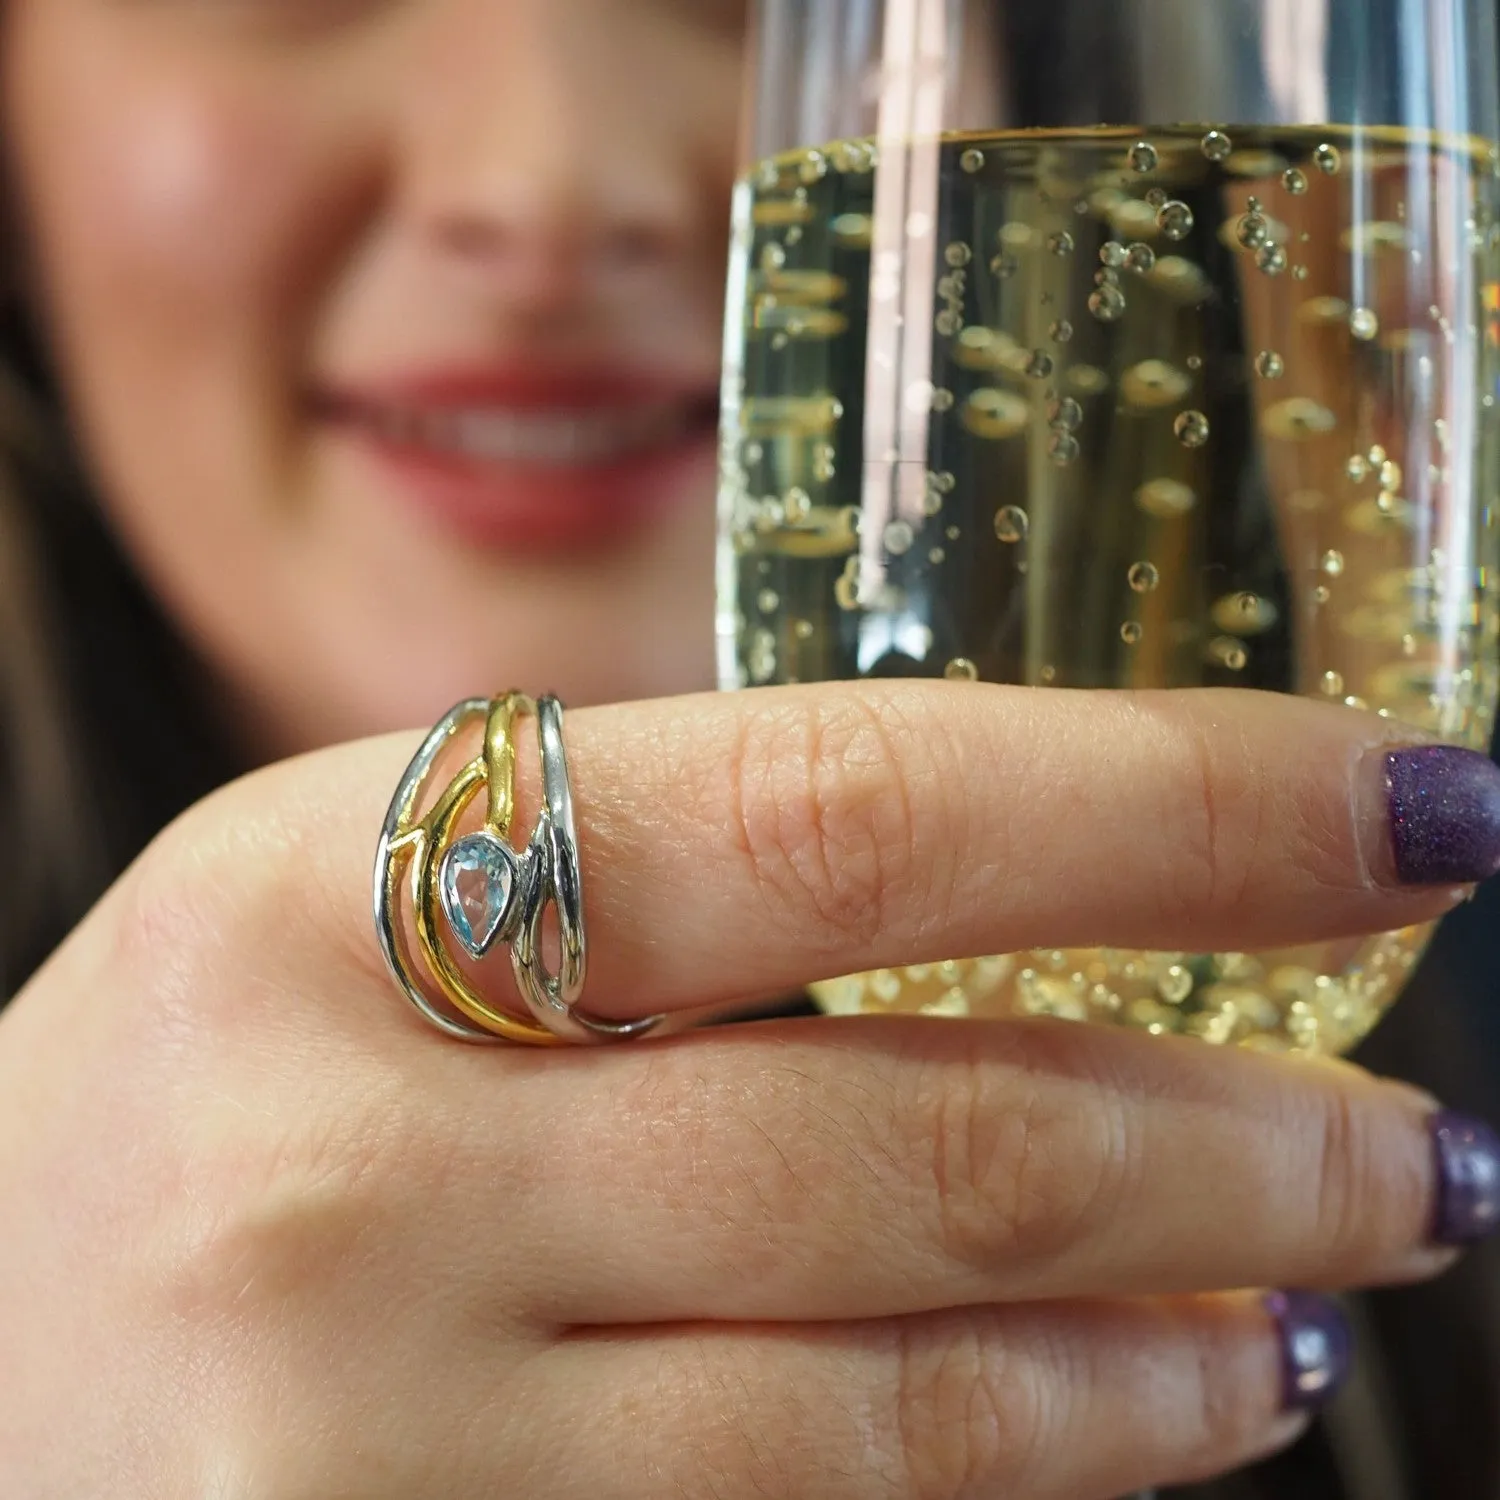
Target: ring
477 891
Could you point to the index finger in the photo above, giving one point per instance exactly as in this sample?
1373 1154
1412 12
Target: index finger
739 845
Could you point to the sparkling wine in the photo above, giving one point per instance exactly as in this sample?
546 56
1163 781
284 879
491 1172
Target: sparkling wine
1113 409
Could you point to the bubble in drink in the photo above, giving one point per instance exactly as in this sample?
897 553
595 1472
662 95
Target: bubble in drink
1087 380
1166 499
1060 243
1142 258
1252 230
1154 383
1323 310
1364 324
958 254
972 161
846 589
1269 365
1217 146
1144 577
1271 259
1132 632
993 415
1061 332
1175 220
1328 159
1333 563
1175 985
1192 429
961 669
1244 613
1297 419
1065 413
899 538
1144 157
1108 304
1229 653
1040 365
1064 449
1294 180
1113 254
1333 684
1011 524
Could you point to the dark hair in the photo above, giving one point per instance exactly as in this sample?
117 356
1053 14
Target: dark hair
103 738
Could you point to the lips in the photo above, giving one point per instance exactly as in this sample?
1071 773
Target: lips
526 460
536 439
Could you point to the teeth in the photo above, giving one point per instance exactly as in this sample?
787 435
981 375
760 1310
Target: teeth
549 439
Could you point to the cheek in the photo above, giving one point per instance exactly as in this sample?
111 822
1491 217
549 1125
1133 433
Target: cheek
169 215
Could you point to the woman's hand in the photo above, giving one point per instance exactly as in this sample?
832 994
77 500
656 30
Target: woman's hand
268 1237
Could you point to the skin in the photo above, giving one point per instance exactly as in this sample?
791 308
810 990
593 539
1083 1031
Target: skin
275 1237
229 203
270 1237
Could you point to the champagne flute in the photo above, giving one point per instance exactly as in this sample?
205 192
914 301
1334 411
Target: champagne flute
1122 344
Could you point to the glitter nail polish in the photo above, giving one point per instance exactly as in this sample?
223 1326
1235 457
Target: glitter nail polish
1468 1173
1445 815
1317 1348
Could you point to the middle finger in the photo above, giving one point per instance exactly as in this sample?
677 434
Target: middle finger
876 1166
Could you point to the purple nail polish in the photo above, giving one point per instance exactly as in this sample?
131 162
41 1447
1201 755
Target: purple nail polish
1468 1174
1317 1347
1445 815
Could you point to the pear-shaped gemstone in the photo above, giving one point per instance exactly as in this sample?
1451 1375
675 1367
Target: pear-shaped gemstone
477 883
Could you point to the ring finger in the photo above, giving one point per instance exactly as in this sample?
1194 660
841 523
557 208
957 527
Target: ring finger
1076 1401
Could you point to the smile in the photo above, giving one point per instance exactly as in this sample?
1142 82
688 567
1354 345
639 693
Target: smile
543 439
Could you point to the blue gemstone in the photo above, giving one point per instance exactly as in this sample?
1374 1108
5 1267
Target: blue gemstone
476 885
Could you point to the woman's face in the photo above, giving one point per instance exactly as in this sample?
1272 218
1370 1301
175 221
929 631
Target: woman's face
391 331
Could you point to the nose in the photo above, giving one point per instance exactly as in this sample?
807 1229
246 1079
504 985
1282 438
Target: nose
546 142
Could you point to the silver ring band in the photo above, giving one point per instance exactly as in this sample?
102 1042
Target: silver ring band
557 876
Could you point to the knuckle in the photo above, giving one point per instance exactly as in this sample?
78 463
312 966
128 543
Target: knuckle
165 913
740 1444
1223 818
227 897
275 1223
968 1416
753 1155
1347 1177
280 1242
196 883
1025 1170
824 813
1221 1412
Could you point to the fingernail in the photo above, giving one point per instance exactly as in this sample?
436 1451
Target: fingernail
1445 815
1468 1174
1317 1348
